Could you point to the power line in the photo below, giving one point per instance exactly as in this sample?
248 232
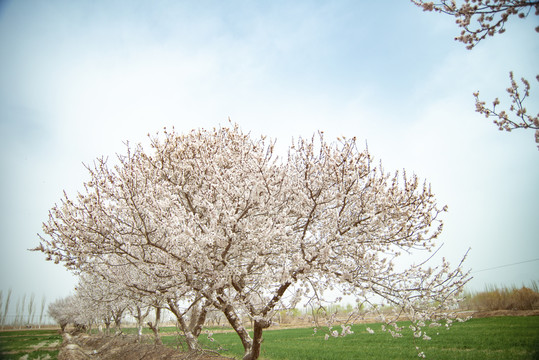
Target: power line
502 266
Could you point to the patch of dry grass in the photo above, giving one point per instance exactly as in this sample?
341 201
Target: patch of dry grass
505 298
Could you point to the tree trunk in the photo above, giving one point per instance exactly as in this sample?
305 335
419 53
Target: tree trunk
258 327
139 323
107 327
139 331
190 338
155 328
252 346
198 318
117 315
117 325
140 315
237 325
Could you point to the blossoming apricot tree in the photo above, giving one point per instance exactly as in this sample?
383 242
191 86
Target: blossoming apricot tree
218 216
107 302
61 311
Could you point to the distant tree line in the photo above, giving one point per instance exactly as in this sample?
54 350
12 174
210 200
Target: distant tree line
27 312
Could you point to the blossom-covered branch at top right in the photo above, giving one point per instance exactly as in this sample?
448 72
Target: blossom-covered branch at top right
479 19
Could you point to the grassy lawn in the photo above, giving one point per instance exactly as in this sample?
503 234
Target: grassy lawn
487 338
37 344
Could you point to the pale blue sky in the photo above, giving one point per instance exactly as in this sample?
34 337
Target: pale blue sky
77 78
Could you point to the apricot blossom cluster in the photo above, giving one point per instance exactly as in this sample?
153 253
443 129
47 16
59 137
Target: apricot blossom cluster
522 118
488 16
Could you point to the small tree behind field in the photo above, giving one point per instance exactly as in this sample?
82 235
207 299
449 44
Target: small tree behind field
31 310
290 316
60 311
41 313
4 307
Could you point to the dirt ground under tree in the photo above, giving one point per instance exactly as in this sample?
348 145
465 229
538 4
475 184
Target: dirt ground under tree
124 347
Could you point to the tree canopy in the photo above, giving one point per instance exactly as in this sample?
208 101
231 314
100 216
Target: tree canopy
216 215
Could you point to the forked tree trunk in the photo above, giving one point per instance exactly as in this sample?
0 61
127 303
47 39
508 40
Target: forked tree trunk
155 328
140 316
191 331
117 317
107 326
198 318
190 338
252 346
118 323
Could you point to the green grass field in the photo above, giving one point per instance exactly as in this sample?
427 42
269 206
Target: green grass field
487 338
35 344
